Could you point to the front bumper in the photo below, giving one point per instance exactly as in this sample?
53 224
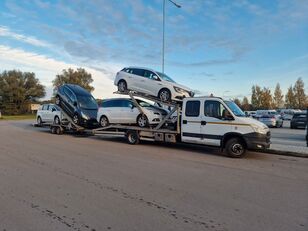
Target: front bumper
255 141
91 123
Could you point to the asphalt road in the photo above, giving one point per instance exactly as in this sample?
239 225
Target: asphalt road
50 182
287 136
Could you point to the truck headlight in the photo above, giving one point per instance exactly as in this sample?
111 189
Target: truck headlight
179 90
260 129
84 116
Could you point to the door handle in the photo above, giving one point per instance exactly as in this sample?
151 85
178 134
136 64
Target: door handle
142 81
203 122
184 121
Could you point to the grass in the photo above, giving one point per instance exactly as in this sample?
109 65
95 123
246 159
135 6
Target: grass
18 117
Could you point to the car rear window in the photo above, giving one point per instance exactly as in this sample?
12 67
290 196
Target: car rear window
137 71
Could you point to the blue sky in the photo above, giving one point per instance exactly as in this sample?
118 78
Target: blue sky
213 46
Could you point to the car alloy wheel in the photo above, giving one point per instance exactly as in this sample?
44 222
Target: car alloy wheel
165 95
75 119
57 120
122 87
57 100
39 121
104 121
142 121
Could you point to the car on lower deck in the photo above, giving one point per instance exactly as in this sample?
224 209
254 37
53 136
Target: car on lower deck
152 83
125 111
79 104
48 113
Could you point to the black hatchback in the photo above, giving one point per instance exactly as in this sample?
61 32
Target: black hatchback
79 104
299 120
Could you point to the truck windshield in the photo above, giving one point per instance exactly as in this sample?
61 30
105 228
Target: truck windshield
234 108
165 77
87 102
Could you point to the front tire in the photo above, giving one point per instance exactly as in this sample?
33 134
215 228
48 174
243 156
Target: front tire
142 121
164 95
122 86
76 119
235 148
104 122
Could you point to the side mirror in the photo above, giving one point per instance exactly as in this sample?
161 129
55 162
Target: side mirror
75 103
155 77
53 109
229 117
132 106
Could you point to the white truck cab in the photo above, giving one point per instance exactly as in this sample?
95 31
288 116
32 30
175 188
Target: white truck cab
216 122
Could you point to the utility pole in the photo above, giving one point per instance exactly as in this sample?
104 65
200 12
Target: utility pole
163 45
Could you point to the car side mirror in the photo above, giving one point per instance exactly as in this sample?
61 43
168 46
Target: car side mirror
132 106
75 103
228 117
155 77
53 109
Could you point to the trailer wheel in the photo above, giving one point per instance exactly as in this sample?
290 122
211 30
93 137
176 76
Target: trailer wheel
53 130
235 148
59 130
132 137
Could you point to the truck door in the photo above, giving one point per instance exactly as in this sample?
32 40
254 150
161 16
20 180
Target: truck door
191 121
215 125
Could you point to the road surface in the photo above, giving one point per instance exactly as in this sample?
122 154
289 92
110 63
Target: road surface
51 182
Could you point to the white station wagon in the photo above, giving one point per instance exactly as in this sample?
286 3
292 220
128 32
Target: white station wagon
48 113
152 83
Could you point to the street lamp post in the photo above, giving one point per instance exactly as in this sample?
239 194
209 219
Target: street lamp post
163 47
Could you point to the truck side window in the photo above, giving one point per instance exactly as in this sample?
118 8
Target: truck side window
214 109
192 108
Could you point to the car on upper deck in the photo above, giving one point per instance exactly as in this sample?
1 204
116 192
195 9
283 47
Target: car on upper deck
152 83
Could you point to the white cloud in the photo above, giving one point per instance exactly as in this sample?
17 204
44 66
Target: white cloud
47 68
6 32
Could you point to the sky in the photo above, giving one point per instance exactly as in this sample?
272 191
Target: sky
212 46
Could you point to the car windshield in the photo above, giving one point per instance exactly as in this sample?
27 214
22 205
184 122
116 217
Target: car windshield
87 102
235 109
165 77
143 104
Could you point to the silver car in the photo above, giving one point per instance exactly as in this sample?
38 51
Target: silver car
271 120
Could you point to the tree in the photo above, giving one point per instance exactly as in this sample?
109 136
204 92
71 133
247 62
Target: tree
266 99
245 104
289 98
237 101
18 89
79 77
278 97
299 94
256 97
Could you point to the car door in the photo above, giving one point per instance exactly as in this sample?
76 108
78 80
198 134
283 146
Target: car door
114 112
49 113
129 113
191 121
70 99
151 83
215 124
138 80
43 113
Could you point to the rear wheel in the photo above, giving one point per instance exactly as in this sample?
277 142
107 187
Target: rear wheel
39 121
142 121
122 86
104 122
57 120
132 137
235 148
164 95
57 101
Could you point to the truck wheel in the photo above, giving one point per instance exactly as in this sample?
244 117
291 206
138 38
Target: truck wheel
122 86
132 137
142 121
235 148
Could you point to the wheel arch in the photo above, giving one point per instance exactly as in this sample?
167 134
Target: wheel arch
231 135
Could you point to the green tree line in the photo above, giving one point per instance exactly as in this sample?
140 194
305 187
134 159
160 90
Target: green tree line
19 89
263 98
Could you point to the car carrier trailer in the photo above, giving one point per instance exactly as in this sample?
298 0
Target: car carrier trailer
208 121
